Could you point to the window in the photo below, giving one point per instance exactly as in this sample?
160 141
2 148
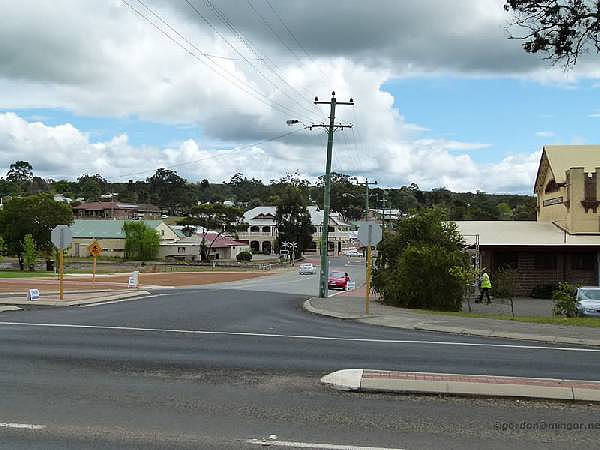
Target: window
583 261
552 186
545 261
180 249
509 260
254 229
266 229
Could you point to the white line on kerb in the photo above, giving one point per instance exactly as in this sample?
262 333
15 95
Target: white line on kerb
300 336
269 442
22 426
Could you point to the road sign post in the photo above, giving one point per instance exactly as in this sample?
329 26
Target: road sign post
369 234
61 237
95 251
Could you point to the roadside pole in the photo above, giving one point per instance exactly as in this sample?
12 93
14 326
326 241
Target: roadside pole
61 263
368 283
94 271
324 273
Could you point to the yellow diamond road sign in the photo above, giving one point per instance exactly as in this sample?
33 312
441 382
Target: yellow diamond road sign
95 249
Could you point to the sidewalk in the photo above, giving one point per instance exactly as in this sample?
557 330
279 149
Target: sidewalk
70 298
365 380
350 306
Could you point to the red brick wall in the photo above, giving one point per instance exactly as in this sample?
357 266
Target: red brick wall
528 276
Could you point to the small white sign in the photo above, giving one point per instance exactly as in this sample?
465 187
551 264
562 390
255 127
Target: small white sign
133 279
33 294
350 285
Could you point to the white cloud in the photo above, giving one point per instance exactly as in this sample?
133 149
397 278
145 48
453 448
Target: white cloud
97 58
545 134
429 163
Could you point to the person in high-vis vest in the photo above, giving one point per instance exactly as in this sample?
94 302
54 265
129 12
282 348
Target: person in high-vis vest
484 287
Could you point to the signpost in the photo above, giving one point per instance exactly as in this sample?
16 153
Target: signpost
133 281
61 237
33 294
95 251
369 234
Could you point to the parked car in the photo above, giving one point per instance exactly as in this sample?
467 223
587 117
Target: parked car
353 252
307 269
588 301
338 280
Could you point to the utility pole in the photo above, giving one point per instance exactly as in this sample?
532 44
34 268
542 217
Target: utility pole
331 127
368 258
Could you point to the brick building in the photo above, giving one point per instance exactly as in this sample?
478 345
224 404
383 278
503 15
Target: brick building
564 243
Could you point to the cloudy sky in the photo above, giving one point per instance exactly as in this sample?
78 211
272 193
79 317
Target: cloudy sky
442 97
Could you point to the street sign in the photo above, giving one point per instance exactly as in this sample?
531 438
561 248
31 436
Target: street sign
133 281
61 236
33 294
369 233
95 249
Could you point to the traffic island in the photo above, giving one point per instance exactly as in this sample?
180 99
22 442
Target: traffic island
366 380
70 299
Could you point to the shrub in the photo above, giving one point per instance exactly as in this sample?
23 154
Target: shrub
29 252
419 265
543 290
565 303
423 278
244 256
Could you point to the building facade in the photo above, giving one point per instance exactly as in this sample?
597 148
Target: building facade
563 244
116 210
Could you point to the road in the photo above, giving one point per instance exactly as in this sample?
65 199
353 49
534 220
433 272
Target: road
218 367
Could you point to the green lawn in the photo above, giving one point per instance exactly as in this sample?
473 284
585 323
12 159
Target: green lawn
569 321
19 274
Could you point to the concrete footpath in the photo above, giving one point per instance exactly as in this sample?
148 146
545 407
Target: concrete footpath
365 380
352 308
12 302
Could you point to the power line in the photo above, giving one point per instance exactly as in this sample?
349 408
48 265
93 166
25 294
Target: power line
296 40
265 60
233 47
211 64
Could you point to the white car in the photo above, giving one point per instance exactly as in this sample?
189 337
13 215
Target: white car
353 252
588 301
307 269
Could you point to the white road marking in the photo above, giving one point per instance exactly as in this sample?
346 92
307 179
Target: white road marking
300 336
291 444
22 426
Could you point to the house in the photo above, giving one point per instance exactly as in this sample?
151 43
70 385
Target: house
563 244
262 234
116 210
109 234
189 248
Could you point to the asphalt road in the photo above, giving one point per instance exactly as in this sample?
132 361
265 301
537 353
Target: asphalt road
214 368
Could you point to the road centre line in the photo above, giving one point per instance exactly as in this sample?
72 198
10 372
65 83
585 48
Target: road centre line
292 336
22 426
291 444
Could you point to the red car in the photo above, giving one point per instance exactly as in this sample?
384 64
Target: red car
338 280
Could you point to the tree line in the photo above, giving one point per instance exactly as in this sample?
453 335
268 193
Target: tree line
178 196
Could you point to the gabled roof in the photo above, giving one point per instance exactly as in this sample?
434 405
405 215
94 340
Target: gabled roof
260 213
218 241
101 206
104 229
564 157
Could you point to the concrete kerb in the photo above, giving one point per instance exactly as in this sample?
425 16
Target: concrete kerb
419 325
89 299
365 380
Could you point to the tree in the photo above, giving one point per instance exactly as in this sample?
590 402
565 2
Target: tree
169 190
29 252
417 264
2 247
505 212
347 198
141 242
293 220
91 187
35 215
560 29
214 216
20 175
